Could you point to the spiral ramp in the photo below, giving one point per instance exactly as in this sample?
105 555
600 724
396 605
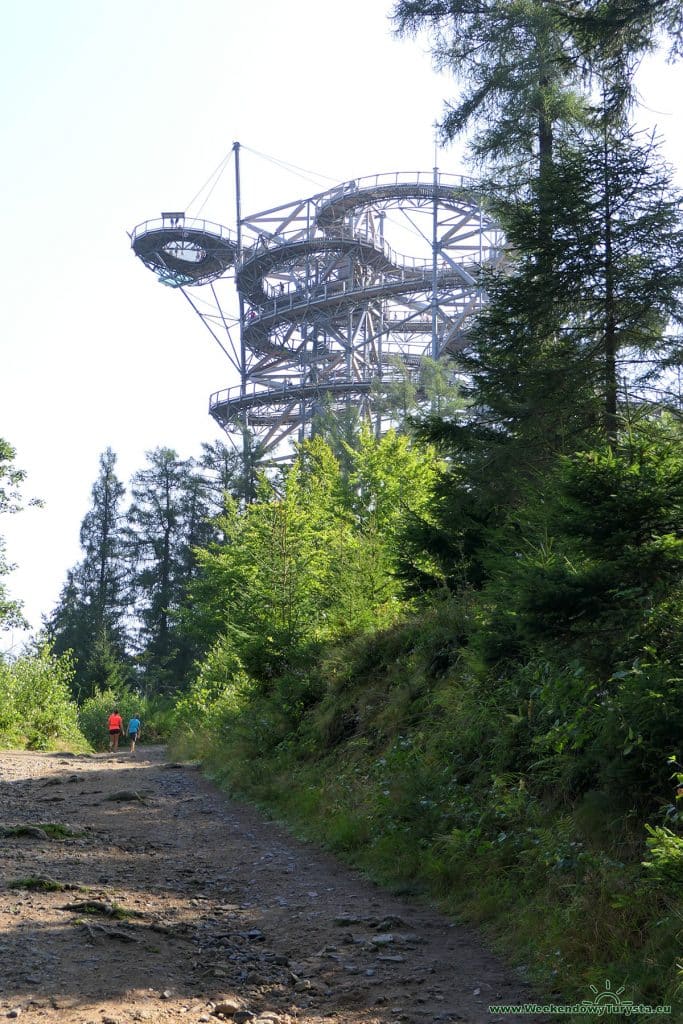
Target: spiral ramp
330 306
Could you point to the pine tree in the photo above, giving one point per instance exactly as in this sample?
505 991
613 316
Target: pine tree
314 558
70 627
168 517
395 395
612 36
223 472
552 355
89 618
519 96
581 310
514 64
526 67
103 569
627 262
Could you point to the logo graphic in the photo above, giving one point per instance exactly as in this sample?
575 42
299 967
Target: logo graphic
607 1002
608 997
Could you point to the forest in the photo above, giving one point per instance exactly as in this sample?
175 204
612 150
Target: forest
452 653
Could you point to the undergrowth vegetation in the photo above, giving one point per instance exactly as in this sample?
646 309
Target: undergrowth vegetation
154 712
510 750
37 710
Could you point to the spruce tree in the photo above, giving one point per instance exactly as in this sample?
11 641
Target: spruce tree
168 517
90 616
222 470
70 628
579 315
103 569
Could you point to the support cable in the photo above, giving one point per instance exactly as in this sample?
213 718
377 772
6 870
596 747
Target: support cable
209 329
217 174
313 176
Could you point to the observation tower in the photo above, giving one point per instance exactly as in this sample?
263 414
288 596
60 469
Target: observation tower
319 301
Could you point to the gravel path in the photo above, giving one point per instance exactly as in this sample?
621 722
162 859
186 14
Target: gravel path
226 915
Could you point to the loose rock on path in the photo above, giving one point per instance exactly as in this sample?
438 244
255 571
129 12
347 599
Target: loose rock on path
156 898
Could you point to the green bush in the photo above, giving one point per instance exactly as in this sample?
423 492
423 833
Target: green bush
156 716
9 714
36 709
203 714
665 852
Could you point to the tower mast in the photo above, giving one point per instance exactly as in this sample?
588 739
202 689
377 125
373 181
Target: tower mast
238 212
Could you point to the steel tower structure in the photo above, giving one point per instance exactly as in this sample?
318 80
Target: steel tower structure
330 302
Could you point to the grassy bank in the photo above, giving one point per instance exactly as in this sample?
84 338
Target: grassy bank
399 754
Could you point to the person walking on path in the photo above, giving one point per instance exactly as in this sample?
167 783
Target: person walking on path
115 726
133 731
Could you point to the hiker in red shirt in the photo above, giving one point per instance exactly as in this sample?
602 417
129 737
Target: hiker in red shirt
115 726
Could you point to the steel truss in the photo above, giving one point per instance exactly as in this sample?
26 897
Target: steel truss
329 307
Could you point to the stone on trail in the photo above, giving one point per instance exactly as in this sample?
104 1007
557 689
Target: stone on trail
124 795
386 938
348 919
390 921
228 1007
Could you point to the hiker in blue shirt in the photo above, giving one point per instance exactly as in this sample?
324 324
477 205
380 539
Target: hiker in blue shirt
133 732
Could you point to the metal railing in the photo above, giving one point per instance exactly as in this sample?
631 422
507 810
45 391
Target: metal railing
400 262
287 392
386 180
206 227
300 299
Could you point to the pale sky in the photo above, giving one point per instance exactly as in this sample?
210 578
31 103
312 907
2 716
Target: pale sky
116 109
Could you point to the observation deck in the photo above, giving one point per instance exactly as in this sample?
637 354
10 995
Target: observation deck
184 252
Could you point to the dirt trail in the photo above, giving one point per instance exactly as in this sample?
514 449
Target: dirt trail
232 915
